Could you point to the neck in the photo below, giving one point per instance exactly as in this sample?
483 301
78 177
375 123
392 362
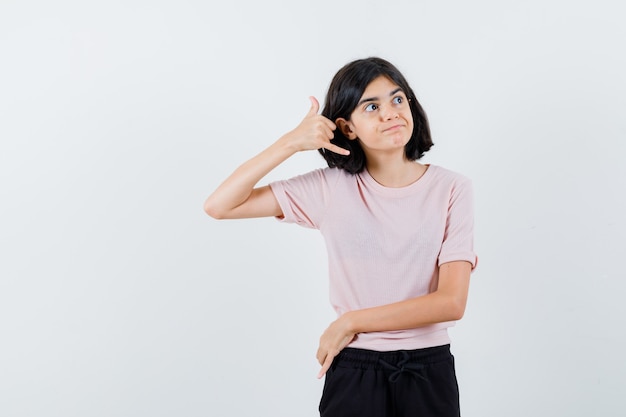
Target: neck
395 174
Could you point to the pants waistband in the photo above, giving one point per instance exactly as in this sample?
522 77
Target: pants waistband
372 359
395 363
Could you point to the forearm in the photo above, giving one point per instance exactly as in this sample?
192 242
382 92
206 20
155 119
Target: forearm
238 187
413 313
447 303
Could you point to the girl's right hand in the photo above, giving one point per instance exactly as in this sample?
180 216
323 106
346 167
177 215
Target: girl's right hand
314 132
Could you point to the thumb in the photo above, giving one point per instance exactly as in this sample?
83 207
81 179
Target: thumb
315 107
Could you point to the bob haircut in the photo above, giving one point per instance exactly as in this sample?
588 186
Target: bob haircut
345 91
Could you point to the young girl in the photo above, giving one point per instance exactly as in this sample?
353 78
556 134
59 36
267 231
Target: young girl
399 236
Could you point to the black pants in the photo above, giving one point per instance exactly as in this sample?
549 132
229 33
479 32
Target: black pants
416 383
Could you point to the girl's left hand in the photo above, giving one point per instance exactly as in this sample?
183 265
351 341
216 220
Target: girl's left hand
337 336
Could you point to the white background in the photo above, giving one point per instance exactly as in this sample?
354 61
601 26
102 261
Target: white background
120 297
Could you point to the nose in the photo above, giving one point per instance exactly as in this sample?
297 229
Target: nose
389 113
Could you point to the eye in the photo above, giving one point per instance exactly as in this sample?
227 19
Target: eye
398 100
371 107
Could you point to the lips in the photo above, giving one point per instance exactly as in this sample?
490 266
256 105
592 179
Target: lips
394 127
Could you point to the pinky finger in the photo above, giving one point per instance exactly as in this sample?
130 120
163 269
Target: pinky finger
337 149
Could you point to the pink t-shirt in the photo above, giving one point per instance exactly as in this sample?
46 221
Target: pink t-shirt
384 244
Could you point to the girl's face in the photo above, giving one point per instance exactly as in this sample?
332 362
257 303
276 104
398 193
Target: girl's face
382 121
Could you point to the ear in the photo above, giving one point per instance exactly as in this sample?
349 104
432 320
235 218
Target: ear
346 128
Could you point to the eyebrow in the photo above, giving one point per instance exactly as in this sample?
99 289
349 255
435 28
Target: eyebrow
367 100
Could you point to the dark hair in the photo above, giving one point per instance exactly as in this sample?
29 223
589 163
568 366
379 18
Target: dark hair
345 91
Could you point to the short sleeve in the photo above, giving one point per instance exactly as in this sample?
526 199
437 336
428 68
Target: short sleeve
304 199
458 241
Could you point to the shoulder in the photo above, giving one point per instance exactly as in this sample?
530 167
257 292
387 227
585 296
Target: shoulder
443 175
320 179
326 175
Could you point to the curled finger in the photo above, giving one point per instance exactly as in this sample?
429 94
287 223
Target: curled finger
321 357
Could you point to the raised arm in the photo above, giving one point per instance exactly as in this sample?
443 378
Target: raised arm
237 196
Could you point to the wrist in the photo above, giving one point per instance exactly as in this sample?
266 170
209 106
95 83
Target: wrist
351 321
287 144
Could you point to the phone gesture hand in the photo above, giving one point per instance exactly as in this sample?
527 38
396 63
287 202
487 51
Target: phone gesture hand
315 132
